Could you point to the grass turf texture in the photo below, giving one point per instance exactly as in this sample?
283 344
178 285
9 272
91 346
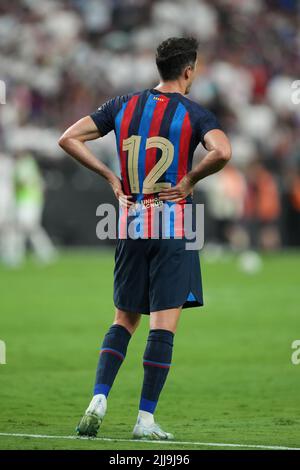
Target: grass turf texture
232 379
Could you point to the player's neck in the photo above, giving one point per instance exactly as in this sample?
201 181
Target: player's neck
171 87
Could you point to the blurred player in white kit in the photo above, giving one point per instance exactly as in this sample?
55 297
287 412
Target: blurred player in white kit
23 193
29 209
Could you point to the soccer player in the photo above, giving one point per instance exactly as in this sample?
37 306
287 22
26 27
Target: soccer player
29 208
157 131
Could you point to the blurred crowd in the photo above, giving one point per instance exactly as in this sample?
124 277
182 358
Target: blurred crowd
60 59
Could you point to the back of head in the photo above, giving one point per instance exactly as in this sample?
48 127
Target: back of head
175 54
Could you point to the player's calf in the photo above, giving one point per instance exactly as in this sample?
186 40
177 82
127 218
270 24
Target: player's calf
112 354
157 362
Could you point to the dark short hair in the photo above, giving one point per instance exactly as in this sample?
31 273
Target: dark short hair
174 54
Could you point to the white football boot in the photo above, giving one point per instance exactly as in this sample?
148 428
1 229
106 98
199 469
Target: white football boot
146 428
93 417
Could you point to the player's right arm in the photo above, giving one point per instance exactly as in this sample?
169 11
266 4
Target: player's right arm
219 154
73 141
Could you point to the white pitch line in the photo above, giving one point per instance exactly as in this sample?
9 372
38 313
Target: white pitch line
136 441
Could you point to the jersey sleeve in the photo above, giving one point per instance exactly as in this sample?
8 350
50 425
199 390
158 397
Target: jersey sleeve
104 117
206 122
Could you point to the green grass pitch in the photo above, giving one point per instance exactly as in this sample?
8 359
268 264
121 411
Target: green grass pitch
232 379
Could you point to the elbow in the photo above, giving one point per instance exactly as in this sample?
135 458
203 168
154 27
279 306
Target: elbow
62 141
224 154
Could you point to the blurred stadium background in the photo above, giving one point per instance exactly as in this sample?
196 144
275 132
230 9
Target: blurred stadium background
60 60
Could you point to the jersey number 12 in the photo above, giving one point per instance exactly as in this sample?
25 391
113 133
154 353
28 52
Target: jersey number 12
150 185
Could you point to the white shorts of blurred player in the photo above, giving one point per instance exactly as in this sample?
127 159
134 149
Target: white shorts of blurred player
7 210
7 245
29 229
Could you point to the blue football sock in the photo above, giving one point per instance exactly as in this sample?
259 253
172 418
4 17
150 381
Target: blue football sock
157 362
112 354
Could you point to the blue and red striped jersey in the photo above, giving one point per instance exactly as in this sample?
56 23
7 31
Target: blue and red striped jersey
151 114
156 136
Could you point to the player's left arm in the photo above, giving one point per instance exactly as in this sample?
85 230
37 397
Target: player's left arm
219 153
73 141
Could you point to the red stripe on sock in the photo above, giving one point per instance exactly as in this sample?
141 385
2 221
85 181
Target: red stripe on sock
114 353
161 366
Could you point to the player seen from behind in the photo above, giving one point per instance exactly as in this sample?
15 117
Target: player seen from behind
157 131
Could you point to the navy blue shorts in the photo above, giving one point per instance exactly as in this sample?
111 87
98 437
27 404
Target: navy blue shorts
156 274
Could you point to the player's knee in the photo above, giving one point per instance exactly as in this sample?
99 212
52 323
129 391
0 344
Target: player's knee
165 319
128 320
130 326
